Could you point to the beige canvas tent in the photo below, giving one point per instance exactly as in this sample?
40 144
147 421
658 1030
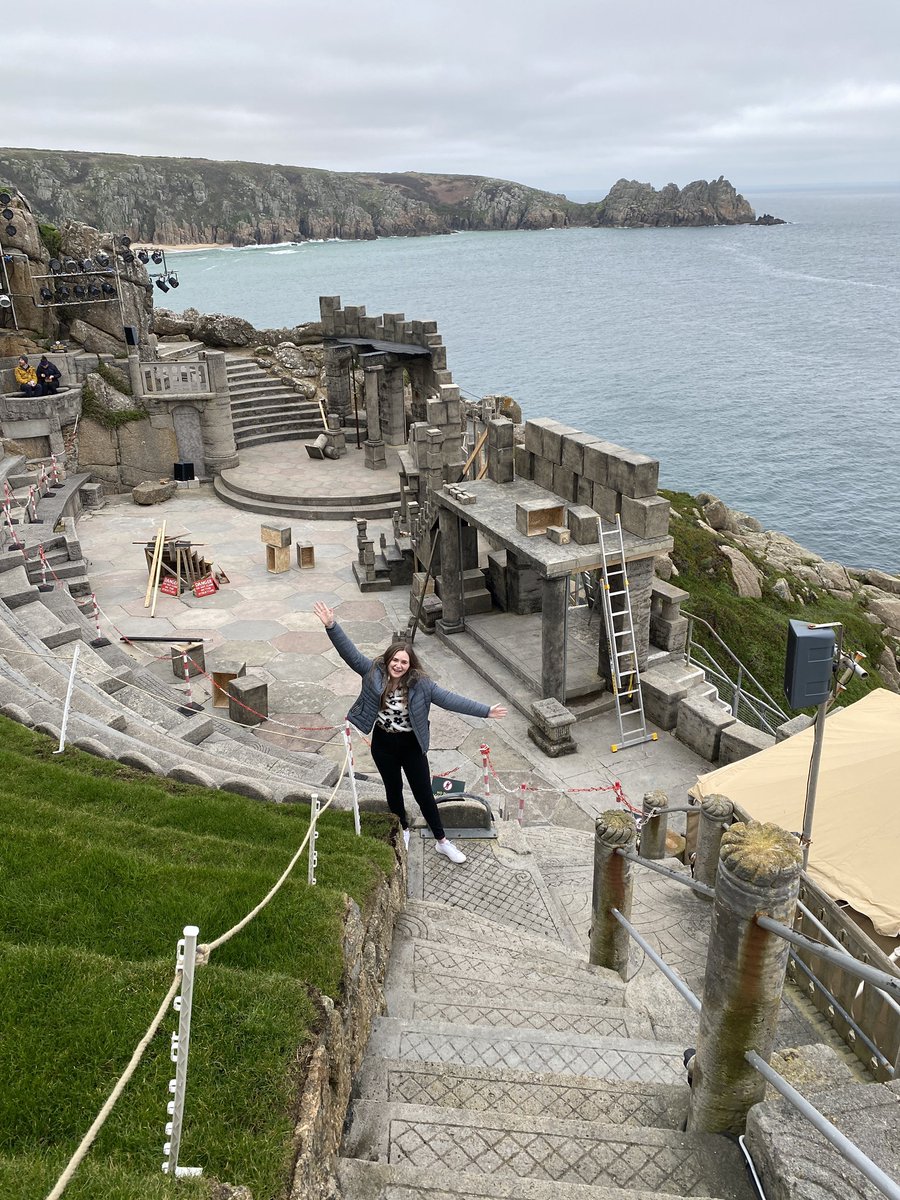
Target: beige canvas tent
855 850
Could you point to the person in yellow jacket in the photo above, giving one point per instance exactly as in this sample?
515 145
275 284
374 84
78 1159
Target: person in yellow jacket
26 378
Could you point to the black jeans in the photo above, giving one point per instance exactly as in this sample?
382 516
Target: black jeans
396 752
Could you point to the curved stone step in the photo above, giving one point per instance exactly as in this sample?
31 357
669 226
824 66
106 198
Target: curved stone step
303 510
262 438
611 1156
319 500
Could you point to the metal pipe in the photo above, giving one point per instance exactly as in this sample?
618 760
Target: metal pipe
691 617
683 879
829 936
853 966
810 806
839 1008
843 1145
679 984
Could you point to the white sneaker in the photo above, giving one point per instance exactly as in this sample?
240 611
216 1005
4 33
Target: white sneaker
448 850
406 838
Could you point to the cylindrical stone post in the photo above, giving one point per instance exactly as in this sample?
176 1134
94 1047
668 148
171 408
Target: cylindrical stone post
453 619
554 598
219 449
759 872
715 813
613 884
372 377
654 829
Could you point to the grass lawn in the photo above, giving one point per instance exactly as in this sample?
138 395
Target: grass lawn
100 869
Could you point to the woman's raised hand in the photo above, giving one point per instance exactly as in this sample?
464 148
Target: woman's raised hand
324 613
498 712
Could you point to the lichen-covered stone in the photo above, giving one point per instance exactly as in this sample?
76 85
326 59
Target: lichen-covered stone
154 491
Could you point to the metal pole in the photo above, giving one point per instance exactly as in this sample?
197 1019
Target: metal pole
349 745
68 701
680 986
314 810
889 984
12 302
810 807
185 961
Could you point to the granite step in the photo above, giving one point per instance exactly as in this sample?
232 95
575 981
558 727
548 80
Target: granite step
534 1050
320 501
449 1141
301 510
510 1010
48 627
263 439
495 1089
378 1181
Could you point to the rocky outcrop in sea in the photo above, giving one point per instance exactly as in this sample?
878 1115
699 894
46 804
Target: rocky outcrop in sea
632 205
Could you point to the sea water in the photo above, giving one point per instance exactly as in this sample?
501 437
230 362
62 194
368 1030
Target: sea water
758 363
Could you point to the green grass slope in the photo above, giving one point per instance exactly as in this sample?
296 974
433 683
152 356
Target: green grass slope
100 870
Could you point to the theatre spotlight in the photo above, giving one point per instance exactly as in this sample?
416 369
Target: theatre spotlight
80 291
62 293
102 260
157 256
55 266
10 231
143 256
125 241
5 197
127 256
107 289
173 280
5 301
93 291
7 214
162 285
46 295
71 266
85 265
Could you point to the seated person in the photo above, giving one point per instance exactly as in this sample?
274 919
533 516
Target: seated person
48 376
26 378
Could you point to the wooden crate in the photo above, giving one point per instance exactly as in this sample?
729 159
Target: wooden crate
306 555
222 674
534 517
278 559
272 534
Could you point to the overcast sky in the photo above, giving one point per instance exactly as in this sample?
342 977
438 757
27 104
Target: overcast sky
571 95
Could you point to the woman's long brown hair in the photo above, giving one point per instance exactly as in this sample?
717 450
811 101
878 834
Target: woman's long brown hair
414 673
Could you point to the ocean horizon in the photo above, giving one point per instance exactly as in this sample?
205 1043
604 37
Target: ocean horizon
759 363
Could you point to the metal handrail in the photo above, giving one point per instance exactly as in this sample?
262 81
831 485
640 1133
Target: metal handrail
889 984
829 936
743 670
769 716
679 984
840 1010
694 884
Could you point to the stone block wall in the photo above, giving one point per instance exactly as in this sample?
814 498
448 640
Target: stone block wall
584 469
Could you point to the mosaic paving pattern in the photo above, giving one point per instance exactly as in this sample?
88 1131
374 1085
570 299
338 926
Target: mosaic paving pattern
539 1098
678 1170
601 1024
432 963
486 886
625 1062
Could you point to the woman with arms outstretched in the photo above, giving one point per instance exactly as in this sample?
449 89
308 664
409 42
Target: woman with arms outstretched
393 705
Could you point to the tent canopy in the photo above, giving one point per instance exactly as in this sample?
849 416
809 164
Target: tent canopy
855 846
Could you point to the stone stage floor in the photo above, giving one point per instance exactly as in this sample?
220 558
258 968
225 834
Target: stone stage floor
285 469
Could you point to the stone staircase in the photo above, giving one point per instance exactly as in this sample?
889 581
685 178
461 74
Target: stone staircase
265 409
506 1066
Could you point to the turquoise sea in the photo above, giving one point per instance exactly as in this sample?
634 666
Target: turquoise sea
759 363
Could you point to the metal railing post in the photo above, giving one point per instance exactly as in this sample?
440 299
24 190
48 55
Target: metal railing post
314 809
186 959
715 812
654 828
736 695
613 884
759 871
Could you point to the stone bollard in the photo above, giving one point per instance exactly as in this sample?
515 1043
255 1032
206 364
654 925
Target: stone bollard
613 885
759 872
715 813
654 830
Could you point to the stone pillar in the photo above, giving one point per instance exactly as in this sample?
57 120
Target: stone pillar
134 372
715 813
219 450
337 380
393 417
613 885
759 872
373 377
453 619
553 637
640 590
653 830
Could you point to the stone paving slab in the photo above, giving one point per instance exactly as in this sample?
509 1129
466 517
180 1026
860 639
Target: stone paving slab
510 1011
674 1163
528 1050
486 1089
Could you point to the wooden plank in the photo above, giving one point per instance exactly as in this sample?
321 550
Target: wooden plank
476 450
157 551
162 539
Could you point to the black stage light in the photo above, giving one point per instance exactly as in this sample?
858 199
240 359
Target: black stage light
162 285
93 291
71 266
108 289
173 281
102 260
87 265
80 291
157 256
10 231
46 295
62 293
7 214
55 266
127 256
143 256
125 241
5 197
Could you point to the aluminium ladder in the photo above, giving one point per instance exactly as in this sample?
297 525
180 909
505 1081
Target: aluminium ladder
623 660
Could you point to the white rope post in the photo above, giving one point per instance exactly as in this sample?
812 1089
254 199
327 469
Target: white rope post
185 961
17 545
68 702
55 470
191 707
485 756
348 744
314 809
32 503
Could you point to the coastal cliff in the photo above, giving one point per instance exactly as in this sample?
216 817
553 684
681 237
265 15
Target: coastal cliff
178 201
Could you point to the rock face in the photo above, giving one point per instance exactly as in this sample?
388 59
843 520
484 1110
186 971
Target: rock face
633 205
175 201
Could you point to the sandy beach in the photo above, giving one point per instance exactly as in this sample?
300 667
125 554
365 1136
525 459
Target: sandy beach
185 246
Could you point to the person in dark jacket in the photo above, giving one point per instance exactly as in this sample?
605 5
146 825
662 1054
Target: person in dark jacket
48 376
394 705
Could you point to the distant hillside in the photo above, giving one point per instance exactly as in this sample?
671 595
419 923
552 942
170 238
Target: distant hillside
181 200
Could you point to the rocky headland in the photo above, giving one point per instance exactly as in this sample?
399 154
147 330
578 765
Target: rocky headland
178 201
